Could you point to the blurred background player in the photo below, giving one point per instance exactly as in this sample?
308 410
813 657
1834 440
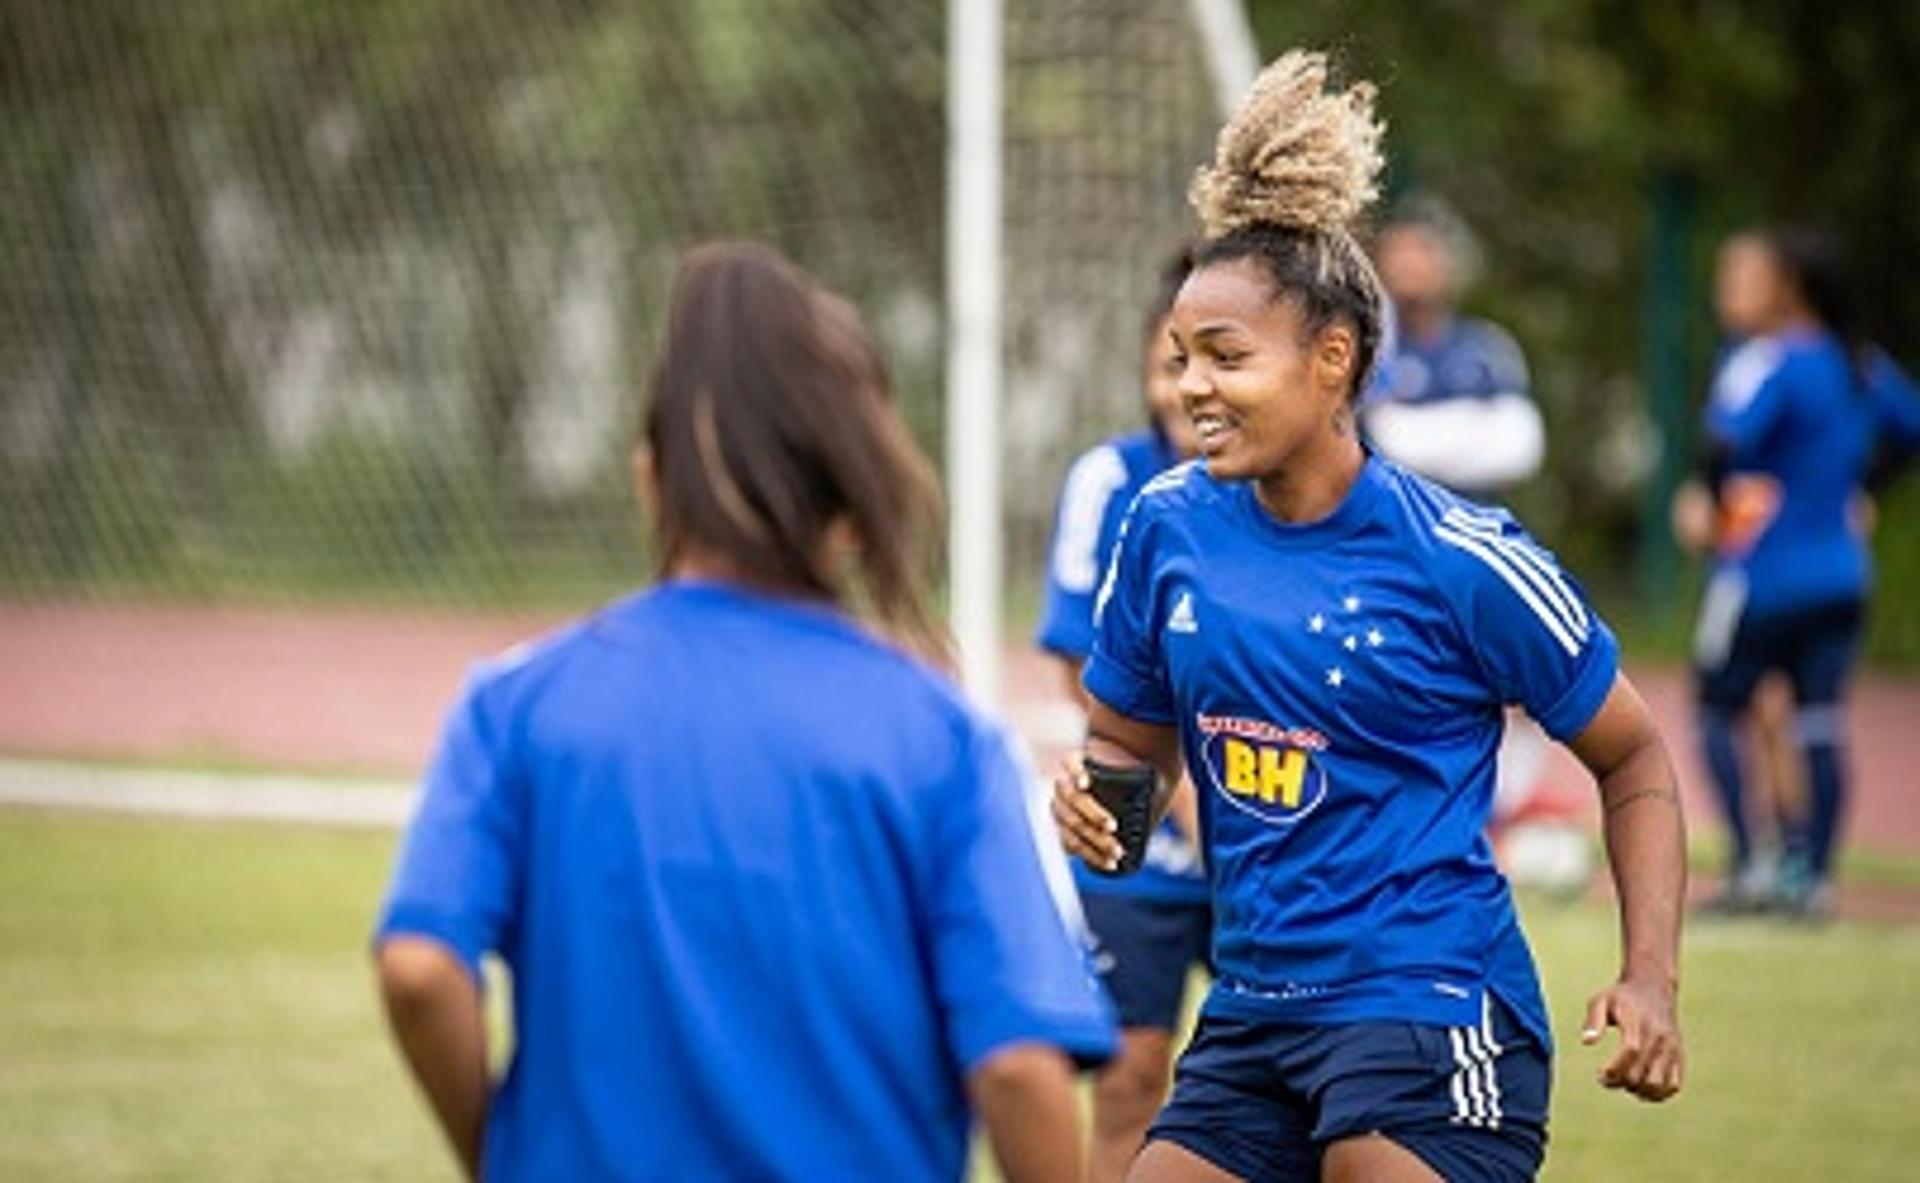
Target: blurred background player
766 887
1451 400
1325 641
1150 928
1802 416
1745 283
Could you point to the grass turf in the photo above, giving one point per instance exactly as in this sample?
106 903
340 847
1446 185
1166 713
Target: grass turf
191 1002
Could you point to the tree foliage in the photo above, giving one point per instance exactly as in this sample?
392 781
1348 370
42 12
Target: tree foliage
1551 126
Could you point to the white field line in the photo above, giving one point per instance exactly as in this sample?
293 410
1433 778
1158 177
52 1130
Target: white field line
308 800
269 798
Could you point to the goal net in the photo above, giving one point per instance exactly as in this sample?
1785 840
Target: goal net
352 298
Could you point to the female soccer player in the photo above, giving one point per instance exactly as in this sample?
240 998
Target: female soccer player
1801 416
1150 928
766 887
1350 633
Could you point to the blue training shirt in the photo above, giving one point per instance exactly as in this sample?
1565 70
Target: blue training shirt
1800 424
1469 359
1100 485
1338 688
767 889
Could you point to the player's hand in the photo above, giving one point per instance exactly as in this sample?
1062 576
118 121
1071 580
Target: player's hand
1650 1062
1087 830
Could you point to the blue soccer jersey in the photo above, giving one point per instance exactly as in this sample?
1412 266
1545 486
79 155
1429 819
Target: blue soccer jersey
1099 487
1799 423
767 890
1469 359
1338 688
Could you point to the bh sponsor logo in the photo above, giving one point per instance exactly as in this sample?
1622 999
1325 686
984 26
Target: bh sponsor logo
1263 769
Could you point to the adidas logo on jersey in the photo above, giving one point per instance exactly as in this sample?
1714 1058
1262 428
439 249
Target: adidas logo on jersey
1181 620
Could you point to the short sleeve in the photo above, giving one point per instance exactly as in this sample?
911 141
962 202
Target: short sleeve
1074 561
1127 670
1006 966
1528 623
457 868
1749 395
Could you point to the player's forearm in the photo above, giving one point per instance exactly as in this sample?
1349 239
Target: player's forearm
1024 1098
1646 850
1113 738
438 1021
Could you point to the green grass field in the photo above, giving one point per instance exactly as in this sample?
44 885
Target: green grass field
191 1002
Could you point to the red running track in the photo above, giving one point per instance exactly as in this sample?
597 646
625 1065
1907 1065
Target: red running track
363 690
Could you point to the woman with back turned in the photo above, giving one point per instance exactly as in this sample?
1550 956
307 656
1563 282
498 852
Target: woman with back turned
1803 416
1327 641
765 886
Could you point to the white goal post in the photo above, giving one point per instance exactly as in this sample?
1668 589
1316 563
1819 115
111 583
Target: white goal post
975 541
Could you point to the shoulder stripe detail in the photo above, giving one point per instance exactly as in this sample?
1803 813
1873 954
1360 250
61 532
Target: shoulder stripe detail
1746 370
1564 631
1172 478
1113 563
1091 484
1539 568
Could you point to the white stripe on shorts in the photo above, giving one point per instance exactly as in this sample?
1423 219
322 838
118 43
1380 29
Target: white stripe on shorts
1493 1060
1466 1097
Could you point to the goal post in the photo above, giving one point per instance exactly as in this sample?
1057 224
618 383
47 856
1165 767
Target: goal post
976 299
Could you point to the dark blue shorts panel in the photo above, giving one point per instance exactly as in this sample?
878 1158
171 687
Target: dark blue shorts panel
1144 949
1262 1100
1814 647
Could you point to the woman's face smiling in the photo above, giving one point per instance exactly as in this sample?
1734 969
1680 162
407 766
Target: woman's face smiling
1267 403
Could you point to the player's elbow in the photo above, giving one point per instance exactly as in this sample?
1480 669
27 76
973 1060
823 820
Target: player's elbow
1018 1075
416 975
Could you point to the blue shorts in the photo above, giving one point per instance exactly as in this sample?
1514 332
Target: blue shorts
1263 1100
1814 647
1144 949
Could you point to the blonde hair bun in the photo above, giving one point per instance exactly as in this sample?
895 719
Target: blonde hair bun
1295 155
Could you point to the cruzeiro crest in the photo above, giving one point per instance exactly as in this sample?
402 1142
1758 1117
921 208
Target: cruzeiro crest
1269 771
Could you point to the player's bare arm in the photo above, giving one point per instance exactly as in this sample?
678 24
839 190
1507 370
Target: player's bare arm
435 1011
1024 1095
1646 850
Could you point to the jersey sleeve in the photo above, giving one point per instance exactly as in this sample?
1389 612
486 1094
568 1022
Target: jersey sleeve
1749 396
459 859
1128 671
1007 968
1074 561
1527 623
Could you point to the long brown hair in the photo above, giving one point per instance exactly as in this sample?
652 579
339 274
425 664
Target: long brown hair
771 426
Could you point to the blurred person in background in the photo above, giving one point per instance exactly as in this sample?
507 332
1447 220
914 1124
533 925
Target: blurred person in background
766 886
1151 928
1450 399
1744 283
1803 416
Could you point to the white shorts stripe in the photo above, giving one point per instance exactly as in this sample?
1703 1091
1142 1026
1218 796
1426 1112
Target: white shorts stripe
1463 1111
1547 577
1551 619
1493 1061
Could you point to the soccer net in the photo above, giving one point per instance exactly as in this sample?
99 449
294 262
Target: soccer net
352 298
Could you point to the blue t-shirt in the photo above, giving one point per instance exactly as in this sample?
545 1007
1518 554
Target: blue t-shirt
1338 688
766 887
1800 426
1099 487
1468 359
